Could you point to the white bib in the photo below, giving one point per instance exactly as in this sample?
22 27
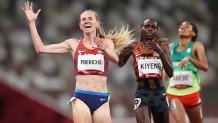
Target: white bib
181 78
149 66
90 62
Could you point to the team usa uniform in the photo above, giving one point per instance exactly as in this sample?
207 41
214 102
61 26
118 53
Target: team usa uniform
90 62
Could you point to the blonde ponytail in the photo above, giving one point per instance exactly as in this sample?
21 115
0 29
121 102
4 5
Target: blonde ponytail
121 37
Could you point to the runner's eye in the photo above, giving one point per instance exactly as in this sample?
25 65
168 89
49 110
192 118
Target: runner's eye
90 18
150 26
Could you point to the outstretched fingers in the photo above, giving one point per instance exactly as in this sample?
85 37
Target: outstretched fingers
152 45
99 43
38 12
27 6
28 10
23 8
31 5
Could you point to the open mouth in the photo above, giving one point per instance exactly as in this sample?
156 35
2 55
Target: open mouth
87 26
181 30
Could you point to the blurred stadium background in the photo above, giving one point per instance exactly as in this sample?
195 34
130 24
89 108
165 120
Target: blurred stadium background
35 88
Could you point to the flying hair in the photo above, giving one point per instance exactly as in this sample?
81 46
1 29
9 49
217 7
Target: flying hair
121 37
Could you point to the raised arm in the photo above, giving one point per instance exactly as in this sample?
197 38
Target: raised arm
38 44
199 52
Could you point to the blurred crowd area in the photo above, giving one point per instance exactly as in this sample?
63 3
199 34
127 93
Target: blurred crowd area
53 75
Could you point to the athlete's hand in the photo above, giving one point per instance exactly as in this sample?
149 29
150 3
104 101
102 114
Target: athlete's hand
158 38
184 62
154 46
28 9
100 43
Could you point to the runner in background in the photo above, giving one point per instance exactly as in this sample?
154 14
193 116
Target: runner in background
188 57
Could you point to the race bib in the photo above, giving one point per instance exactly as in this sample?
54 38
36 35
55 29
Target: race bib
137 103
181 78
149 66
91 62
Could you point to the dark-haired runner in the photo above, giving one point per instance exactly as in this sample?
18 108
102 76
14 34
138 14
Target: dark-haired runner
151 59
188 57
